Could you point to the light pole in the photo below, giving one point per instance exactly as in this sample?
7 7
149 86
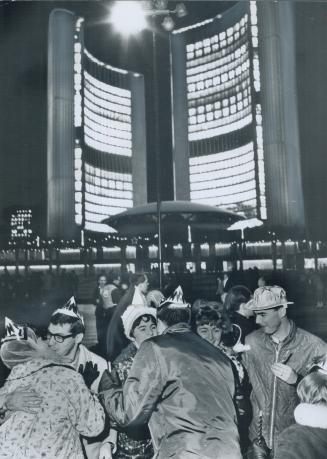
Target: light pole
132 14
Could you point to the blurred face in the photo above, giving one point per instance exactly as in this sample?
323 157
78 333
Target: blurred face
69 346
145 330
270 320
102 281
144 286
206 332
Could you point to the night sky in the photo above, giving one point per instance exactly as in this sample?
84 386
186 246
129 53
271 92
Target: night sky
23 92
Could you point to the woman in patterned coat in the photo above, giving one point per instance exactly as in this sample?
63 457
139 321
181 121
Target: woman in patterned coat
68 409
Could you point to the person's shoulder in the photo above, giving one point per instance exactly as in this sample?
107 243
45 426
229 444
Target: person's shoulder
309 337
127 353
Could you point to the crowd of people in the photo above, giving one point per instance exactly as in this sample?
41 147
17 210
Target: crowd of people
231 378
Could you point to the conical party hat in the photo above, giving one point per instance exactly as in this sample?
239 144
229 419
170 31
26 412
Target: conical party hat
70 309
176 300
138 299
13 331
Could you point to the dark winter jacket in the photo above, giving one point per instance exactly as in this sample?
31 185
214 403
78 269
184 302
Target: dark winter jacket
183 386
307 439
270 395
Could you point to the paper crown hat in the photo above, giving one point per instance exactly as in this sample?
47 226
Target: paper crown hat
268 297
70 309
132 313
176 300
13 331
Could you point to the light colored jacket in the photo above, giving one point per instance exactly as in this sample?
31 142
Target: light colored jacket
271 396
68 410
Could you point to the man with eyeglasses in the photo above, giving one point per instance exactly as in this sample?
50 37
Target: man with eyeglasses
64 336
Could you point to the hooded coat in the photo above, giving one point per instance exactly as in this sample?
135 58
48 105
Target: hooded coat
68 410
183 387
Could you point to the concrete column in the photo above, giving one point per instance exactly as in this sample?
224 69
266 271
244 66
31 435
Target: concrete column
61 211
280 113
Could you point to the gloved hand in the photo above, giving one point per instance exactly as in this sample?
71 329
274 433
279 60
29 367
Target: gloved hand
90 372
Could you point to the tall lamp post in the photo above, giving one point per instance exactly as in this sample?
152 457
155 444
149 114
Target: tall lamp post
133 14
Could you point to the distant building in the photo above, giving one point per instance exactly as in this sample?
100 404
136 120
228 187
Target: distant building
96 134
21 225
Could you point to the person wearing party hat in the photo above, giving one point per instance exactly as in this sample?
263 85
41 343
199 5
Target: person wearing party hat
180 385
278 356
139 323
64 339
59 409
65 335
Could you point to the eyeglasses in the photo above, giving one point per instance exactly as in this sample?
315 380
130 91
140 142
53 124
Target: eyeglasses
58 338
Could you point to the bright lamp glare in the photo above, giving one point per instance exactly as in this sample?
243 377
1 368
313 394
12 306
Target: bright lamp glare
128 17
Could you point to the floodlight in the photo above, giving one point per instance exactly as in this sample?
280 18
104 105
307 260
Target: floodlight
128 17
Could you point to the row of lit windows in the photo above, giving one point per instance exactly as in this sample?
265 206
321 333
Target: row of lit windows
237 55
109 129
227 181
217 42
114 123
90 107
218 104
111 185
230 32
218 63
96 171
109 209
100 142
211 94
207 83
217 58
106 103
230 85
217 69
215 46
199 180
208 132
96 227
111 136
211 159
99 195
222 117
107 96
238 194
105 87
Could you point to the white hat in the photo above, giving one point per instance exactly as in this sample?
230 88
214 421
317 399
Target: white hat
13 331
70 309
176 300
138 298
132 313
268 297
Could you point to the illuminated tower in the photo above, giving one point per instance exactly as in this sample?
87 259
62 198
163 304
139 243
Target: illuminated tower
234 116
96 131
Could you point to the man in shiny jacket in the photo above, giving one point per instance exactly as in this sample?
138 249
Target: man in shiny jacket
183 387
278 356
